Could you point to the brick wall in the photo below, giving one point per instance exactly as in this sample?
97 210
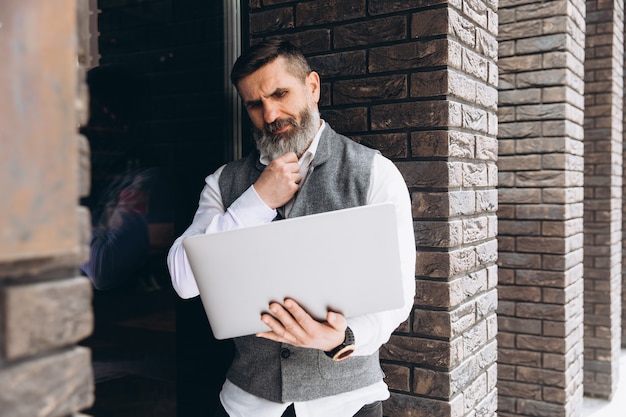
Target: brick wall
418 83
45 307
540 313
413 80
604 89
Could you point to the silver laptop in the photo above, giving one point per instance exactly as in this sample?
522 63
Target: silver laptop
346 261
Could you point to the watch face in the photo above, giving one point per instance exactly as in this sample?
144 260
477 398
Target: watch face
344 353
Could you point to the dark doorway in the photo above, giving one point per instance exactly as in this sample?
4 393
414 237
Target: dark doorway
157 129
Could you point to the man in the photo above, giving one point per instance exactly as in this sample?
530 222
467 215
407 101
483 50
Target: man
120 243
301 167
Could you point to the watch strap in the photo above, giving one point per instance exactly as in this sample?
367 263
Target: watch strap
345 349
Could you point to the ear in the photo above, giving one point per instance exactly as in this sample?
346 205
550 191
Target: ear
313 85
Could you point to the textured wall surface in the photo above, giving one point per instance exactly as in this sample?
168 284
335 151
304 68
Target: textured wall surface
38 213
604 90
540 311
418 82
462 98
45 308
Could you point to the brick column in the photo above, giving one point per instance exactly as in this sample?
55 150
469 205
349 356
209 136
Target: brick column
419 84
604 89
540 312
450 348
45 307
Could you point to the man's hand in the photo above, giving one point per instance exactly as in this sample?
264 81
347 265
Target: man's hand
291 324
279 181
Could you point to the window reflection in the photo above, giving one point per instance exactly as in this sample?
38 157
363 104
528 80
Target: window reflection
131 217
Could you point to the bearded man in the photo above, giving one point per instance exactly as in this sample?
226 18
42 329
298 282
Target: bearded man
301 166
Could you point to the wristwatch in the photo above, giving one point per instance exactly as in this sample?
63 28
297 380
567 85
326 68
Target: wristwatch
345 349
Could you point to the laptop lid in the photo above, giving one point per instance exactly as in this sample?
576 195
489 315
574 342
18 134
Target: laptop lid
346 261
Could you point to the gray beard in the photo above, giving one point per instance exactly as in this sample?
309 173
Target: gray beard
296 140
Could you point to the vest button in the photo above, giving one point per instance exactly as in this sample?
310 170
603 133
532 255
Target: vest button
285 353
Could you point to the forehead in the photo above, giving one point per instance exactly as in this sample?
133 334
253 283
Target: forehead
267 79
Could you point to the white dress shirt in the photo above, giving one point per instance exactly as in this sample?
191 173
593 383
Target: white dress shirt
371 331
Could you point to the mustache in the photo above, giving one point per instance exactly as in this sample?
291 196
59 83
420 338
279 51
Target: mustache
278 124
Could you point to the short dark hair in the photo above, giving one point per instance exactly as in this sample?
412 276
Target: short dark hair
263 53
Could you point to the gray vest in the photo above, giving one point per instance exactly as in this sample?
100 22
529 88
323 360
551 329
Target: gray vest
339 178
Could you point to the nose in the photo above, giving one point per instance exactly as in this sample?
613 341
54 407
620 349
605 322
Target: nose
271 112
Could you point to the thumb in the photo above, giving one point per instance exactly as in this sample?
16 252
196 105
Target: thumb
337 321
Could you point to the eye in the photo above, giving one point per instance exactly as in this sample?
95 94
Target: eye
280 93
253 104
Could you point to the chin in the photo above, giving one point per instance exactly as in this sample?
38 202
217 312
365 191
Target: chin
280 138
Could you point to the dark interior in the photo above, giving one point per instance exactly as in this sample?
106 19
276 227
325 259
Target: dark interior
156 119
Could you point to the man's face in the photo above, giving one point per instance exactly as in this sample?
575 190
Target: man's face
282 108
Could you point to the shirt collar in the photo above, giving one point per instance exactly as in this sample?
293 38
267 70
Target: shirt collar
308 155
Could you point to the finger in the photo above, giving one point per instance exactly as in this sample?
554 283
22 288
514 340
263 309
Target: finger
277 330
315 334
294 170
287 320
298 313
337 321
288 157
271 336
289 162
274 325
290 170
274 337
